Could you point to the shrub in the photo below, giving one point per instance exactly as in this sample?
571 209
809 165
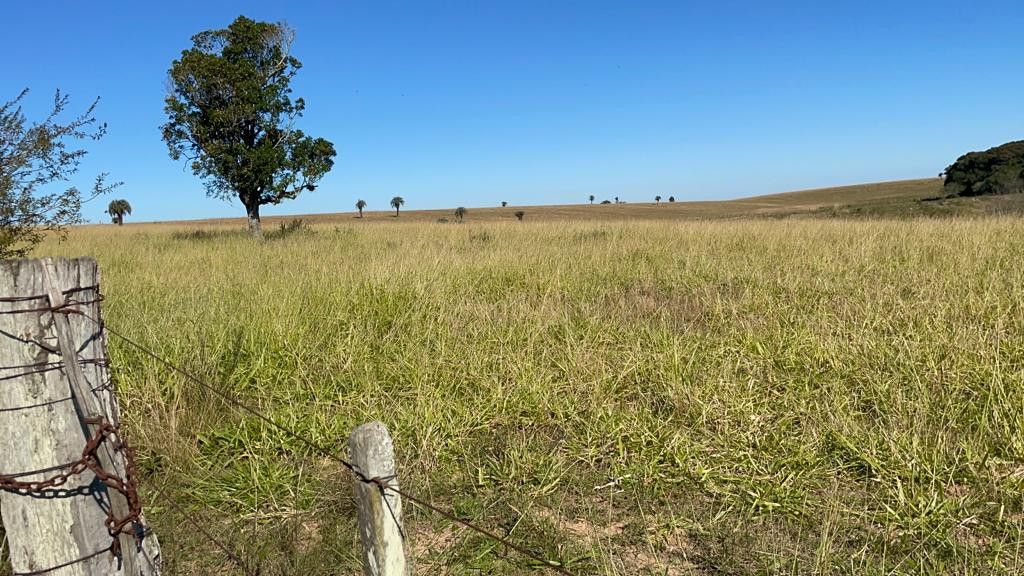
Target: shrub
290 228
998 170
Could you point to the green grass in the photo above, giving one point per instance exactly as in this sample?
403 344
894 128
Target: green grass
745 397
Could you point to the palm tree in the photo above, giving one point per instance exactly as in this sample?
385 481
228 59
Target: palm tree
117 209
591 198
520 214
657 199
360 204
503 203
460 213
397 203
671 198
616 199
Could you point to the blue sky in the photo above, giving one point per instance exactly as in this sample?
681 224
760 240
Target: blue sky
463 103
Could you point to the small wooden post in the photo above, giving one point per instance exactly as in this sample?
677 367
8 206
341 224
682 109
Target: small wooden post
54 370
380 511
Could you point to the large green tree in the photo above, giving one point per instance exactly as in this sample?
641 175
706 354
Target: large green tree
231 115
36 159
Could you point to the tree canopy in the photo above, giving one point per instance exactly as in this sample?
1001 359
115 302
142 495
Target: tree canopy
397 202
231 115
117 209
34 158
998 170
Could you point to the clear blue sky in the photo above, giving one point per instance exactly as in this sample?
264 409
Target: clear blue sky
466 103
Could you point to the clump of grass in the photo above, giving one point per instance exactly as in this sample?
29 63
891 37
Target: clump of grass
294 227
203 234
745 397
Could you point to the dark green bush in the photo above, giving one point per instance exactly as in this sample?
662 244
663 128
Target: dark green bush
998 170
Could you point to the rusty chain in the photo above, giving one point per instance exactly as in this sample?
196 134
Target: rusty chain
127 486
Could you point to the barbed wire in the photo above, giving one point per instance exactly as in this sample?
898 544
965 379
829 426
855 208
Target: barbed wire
381 483
231 554
78 560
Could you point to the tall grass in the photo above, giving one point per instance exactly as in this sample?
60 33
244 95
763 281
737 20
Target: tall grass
812 397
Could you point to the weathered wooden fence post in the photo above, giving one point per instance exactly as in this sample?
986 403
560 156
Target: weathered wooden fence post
55 397
380 510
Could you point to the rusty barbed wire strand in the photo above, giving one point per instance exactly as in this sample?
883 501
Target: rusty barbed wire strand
323 451
147 532
65 308
68 292
108 385
95 361
65 564
43 367
62 308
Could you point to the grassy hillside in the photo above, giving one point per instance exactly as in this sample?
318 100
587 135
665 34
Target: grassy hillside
881 197
651 397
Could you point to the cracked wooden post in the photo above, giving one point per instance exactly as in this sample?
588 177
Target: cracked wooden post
380 511
53 376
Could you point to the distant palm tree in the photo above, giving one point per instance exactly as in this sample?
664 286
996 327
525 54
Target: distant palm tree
117 209
397 203
360 204
657 199
503 203
520 214
591 198
460 213
616 199
671 198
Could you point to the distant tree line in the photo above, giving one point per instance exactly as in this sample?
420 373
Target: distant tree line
998 170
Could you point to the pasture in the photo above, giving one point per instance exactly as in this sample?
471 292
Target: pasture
630 397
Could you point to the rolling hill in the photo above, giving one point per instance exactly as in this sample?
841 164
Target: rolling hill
922 197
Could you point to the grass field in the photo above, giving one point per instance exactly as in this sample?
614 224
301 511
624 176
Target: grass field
799 396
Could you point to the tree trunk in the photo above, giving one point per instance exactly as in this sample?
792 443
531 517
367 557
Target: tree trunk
253 211
120 220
